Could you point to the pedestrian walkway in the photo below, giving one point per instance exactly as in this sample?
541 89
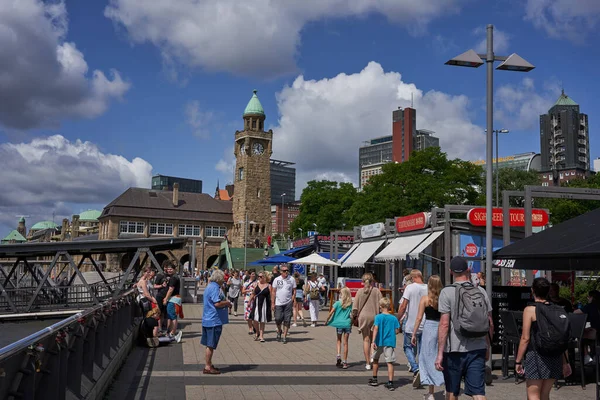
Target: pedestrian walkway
304 368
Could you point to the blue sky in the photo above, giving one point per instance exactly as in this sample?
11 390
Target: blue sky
133 88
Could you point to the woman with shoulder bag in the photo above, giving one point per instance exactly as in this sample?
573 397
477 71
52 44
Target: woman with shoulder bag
364 309
313 291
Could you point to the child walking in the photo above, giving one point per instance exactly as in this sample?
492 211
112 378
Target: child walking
385 329
339 318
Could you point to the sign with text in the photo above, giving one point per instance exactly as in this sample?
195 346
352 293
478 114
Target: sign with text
477 217
373 230
412 222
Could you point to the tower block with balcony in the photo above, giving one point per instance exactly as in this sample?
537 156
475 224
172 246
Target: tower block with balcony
252 191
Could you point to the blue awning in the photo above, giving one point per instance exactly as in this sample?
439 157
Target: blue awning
276 259
327 255
296 249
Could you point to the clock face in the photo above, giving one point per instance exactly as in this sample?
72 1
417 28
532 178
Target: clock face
258 148
242 149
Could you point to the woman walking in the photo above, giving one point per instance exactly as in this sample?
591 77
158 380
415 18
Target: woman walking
366 306
428 307
339 318
235 287
313 290
261 306
299 306
247 290
540 370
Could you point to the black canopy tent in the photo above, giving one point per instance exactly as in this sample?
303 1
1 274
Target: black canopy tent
573 245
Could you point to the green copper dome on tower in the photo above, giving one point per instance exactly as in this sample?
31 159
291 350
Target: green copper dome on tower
254 107
565 100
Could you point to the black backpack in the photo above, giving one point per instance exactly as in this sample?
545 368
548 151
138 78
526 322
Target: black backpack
554 329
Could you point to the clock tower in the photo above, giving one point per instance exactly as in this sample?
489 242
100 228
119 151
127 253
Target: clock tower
252 181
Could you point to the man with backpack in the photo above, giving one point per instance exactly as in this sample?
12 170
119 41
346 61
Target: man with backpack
463 334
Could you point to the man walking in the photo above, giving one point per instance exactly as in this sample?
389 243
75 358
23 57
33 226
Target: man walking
283 298
463 334
172 300
214 316
409 308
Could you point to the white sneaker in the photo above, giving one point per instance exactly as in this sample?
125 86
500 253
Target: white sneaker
294 324
429 396
588 359
178 336
313 325
368 367
235 314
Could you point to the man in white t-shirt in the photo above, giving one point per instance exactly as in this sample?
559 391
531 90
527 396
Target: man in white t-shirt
283 299
408 310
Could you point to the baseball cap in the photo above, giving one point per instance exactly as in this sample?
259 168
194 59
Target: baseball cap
459 264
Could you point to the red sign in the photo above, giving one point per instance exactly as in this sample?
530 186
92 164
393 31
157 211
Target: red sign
412 222
477 217
471 250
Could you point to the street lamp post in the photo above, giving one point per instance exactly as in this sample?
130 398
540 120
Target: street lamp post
245 222
300 229
282 212
511 63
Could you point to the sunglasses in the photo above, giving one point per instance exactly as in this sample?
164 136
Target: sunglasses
261 276
284 270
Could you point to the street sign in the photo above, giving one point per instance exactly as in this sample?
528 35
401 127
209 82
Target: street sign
299 268
312 233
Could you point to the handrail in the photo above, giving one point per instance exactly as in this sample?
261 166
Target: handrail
22 344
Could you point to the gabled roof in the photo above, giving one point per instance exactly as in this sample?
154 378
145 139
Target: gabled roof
254 107
158 204
224 195
14 236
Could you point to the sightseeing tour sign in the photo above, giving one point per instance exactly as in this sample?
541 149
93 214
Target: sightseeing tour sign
477 217
412 222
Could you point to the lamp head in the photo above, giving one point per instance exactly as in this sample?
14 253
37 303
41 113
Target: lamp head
467 59
514 62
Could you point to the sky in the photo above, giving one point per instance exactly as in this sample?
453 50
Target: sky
97 96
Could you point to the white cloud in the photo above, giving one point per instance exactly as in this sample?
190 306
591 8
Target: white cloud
323 123
199 120
226 165
501 40
519 106
44 78
570 19
251 38
41 176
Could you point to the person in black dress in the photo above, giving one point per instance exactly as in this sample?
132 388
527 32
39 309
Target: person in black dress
540 371
261 306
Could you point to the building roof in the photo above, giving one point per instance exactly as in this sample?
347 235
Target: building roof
90 215
14 236
254 107
224 195
44 225
158 204
565 100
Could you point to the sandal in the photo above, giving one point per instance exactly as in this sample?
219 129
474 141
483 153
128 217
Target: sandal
262 340
256 338
211 371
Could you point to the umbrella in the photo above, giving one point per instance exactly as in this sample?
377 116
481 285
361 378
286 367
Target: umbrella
571 245
315 259
276 259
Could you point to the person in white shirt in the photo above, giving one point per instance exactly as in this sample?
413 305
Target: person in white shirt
313 291
409 308
323 282
283 298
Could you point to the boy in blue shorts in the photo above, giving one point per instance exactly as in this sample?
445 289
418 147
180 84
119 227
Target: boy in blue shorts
385 329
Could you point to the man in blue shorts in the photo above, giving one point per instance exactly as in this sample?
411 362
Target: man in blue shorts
214 316
459 355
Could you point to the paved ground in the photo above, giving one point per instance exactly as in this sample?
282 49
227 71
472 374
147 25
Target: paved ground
302 369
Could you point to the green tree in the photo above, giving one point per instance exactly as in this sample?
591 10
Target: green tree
428 179
324 203
510 179
564 209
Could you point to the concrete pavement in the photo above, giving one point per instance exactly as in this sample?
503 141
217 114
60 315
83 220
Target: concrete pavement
304 368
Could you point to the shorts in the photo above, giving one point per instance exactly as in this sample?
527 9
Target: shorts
387 351
211 336
171 312
471 366
284 313
341 331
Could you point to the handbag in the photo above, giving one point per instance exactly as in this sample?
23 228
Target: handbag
355 317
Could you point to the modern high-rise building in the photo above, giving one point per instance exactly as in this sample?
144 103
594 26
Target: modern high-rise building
404 129
425 139
564 142
372 156
163 182
283 180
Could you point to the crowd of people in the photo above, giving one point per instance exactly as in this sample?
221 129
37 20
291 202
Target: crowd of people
447 331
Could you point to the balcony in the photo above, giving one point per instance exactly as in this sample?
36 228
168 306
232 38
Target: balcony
582 141
583 159
582 150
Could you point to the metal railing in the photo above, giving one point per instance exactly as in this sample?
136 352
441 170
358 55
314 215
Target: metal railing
74 358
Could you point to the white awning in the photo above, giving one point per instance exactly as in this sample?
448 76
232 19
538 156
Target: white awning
348 253
362 253
416 252
400 247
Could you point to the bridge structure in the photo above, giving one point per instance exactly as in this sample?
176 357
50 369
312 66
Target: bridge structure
75 358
